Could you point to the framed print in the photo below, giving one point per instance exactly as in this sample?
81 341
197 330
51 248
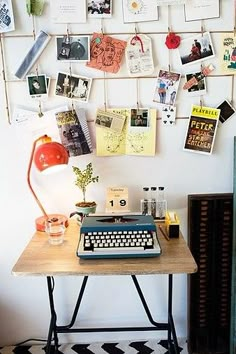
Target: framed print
195 10
166 87
196 49
73 86
139 10
37 85
73 48
199 85
99 8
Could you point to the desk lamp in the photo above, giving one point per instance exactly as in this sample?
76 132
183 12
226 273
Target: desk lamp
48 156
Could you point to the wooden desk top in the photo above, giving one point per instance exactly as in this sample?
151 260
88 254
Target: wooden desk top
42 259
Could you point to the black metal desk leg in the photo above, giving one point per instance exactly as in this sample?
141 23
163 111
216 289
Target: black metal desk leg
173 347
52 333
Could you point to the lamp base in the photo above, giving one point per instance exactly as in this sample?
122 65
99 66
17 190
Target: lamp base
40 222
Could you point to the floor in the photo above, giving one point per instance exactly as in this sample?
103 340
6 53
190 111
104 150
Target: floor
123 347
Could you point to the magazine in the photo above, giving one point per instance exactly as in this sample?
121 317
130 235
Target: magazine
201 131
71 133
138 136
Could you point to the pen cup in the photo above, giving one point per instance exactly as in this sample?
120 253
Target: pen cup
55 228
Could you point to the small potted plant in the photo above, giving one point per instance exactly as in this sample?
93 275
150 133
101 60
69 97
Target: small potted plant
82 180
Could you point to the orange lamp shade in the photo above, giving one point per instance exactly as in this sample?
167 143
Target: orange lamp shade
49 156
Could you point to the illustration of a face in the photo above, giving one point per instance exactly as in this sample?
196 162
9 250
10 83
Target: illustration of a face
96 49
109 54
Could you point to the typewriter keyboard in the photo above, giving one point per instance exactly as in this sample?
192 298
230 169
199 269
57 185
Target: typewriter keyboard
119 244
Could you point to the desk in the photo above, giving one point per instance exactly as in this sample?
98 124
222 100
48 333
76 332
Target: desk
42 259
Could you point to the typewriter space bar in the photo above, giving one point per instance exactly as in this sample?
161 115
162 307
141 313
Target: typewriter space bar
117 249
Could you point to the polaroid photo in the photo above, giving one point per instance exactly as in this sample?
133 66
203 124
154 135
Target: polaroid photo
196 49
73 86
37 86
73 48
166 87
139 118
99 8
110 120
198 86
226 111
35 51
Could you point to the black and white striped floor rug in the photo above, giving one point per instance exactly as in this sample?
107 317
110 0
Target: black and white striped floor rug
122 347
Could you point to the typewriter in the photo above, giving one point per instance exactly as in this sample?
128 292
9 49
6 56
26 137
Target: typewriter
122 236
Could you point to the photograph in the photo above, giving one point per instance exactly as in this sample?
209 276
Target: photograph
73 48
226 111
99 8
166 87
37 85
72 86
140 118
196 49
198 87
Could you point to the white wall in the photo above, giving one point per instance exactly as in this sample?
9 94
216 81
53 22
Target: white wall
24 308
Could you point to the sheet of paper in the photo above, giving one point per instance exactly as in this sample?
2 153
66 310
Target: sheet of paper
7 23
201 9
68 11
106 53
170 2
139 10
138 136
227 53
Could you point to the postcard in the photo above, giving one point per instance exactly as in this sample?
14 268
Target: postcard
226 111
35 7
73 86
166 88
37 86
34 52
110 120
139 10
201 130
196 49
68 11
228 53
99 8
7 23
106 53
198 86
73 48
201 9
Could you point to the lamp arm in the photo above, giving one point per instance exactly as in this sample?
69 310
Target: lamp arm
29 173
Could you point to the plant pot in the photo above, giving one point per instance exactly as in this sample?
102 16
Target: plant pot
83 209
86 207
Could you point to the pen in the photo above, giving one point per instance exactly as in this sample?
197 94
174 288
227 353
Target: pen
164 233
